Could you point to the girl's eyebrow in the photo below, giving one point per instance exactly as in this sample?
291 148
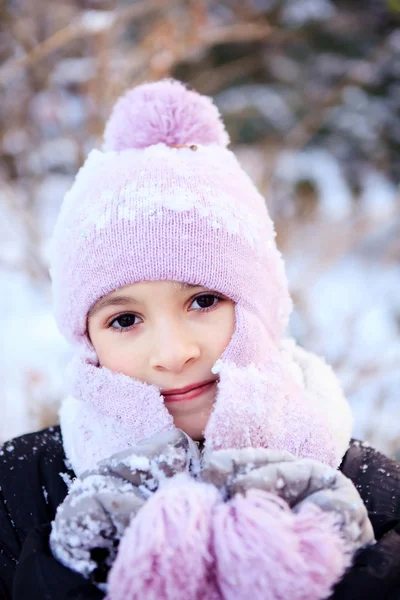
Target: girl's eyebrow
113 301
125 300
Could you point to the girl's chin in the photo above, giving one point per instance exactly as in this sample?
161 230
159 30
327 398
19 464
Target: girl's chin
192 415
193 422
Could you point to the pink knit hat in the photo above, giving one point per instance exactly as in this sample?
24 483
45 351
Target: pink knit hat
145 209
166 200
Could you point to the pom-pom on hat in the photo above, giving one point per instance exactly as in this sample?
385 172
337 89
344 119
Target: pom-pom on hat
166 200
165 112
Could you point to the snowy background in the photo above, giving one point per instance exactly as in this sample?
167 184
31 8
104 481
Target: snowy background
310 93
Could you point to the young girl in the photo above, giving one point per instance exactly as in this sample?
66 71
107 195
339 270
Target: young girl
212 456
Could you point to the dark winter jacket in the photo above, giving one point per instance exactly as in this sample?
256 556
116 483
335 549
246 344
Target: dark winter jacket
33 483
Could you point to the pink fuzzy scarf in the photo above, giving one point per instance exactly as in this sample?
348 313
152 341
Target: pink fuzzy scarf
293 403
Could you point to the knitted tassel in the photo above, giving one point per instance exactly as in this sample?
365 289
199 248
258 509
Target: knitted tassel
165 552
186 544
263 551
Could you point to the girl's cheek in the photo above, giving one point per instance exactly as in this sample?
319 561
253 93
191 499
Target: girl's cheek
125 358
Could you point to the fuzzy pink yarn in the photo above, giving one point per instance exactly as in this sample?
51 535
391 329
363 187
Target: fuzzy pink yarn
109 412
165 112
265 551
187 544
118 412
165 553
264 408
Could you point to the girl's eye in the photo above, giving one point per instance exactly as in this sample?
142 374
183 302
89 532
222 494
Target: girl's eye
123 322
128 321
207 301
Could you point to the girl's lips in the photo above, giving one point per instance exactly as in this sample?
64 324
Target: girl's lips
191 394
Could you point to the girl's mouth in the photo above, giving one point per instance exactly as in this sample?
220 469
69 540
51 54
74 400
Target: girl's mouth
190 394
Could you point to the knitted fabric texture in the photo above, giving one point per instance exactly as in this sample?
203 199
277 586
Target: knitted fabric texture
142 210
107 412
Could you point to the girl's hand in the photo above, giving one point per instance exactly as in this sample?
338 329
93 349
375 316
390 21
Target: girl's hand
298 481
101 503
256 523
160 502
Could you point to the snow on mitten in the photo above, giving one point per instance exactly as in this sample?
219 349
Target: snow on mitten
100 504
153 459
107 412
166 551
90 522
265 408
289 527
298 481
255 525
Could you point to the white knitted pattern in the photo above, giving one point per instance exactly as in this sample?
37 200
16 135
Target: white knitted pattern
144 197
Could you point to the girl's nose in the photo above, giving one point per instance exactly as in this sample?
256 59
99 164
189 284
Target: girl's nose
173 350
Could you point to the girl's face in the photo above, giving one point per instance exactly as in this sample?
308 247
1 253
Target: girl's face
166 334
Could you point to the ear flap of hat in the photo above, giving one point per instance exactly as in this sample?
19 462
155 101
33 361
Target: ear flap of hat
270 403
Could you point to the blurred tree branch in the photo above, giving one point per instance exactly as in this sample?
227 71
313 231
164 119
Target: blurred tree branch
80 27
